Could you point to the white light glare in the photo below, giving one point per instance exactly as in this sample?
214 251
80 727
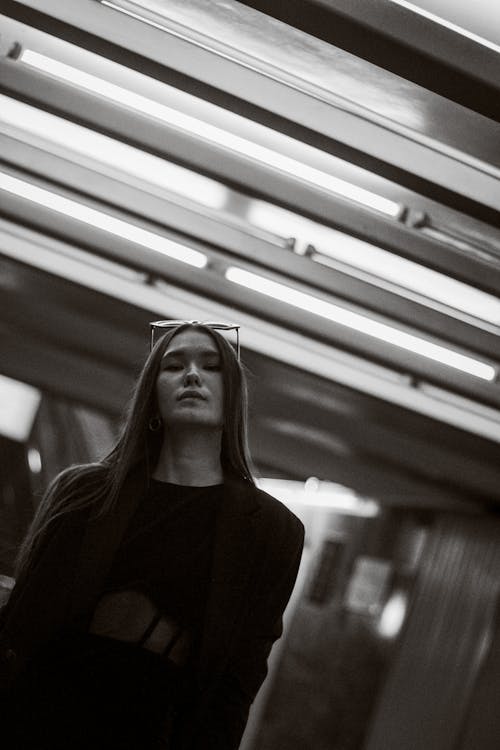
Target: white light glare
18 408
327 495
393 615
34 461
449 24
103 221
377 262
112 153
360 323
211 133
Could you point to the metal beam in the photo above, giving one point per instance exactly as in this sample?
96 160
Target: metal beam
276 330
244 174
408 44
385 140
212 283
89 347
236 238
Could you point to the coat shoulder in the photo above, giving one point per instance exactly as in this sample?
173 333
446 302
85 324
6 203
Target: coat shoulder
277 516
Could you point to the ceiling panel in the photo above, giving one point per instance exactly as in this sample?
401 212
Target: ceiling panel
447 161
326 400
301 425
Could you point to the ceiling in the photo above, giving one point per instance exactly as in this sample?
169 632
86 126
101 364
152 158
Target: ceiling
361 185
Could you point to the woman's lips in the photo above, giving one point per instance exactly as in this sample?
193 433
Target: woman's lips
191 394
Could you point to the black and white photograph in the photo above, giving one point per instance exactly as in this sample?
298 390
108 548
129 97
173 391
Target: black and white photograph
249 375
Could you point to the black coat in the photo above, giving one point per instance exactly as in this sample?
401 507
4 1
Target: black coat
257 550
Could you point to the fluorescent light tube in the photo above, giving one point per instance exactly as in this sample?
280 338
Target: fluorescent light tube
108 152
361 323
211 133
276 341
103 221
385 265
486 250
449 24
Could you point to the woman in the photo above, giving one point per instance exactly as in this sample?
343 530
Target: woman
151 586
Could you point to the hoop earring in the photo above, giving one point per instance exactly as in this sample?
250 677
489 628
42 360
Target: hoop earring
155 424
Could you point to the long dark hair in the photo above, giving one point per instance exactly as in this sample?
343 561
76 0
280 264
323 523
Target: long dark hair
99 484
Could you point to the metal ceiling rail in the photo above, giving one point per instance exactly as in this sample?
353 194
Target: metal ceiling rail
31 362
243 173
212 282
100 327
236 238
389 142
399 40
437 215
272 339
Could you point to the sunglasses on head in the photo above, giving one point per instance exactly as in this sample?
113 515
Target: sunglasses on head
160 327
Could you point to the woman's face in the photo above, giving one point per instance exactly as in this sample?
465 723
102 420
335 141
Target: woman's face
189 387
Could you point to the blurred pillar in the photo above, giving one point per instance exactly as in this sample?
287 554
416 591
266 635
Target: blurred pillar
432 682
481 727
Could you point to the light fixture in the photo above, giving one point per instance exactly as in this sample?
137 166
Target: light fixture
277 341
19 407
393 615
34 460
381 331
402 274
449 24
321 494
483 250
103 221
208 132
106 152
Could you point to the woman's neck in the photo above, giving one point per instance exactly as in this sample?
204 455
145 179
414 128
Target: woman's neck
190 458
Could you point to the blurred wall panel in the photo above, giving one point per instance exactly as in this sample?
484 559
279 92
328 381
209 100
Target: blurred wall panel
15 501
338 650
64 433
446 644
482 725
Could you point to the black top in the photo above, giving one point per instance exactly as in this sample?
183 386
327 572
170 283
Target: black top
166 551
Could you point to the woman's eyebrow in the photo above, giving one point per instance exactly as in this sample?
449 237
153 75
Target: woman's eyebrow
181 350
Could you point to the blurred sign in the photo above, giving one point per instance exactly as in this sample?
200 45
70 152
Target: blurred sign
324 580
368 584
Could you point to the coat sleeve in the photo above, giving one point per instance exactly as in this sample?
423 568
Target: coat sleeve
38 602
225 711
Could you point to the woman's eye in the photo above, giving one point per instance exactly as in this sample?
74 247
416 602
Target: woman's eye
172 367
215 367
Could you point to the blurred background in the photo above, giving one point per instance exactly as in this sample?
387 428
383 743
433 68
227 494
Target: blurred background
326 174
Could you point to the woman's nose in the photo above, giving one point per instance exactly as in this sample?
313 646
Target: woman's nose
192 376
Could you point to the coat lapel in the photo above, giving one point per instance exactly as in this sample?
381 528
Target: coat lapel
101 541
234 556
